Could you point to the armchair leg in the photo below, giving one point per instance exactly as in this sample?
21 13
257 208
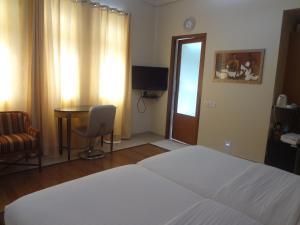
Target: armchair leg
111 141
40 161
91 144
26 157
18 163
102 141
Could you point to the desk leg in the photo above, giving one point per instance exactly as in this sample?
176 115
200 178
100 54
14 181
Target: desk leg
69 137
60 138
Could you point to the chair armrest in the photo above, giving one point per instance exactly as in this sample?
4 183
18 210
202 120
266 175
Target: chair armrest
33 132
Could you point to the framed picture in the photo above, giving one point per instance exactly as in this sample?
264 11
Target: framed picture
240 66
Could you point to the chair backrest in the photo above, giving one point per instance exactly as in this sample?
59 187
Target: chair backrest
101 120
13 122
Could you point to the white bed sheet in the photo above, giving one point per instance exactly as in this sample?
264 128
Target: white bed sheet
128 195
198 168
269 195
208 212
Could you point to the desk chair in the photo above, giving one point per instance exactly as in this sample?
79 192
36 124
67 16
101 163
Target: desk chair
101 122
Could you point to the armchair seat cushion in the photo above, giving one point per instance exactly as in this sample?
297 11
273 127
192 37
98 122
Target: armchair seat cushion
17 142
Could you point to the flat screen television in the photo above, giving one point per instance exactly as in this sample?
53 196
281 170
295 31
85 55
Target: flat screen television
149 78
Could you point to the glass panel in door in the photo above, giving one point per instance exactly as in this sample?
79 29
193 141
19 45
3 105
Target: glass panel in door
188 78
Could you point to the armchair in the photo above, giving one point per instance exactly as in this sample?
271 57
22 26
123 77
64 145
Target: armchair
18 138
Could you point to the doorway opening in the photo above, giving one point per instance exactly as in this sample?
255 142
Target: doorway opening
284 119
185 87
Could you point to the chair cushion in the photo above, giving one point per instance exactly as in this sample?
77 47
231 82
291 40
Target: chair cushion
12 123
17 142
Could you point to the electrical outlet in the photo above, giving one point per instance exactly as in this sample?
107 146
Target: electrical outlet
227 145
213 104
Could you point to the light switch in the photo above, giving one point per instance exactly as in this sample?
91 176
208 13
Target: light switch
210 103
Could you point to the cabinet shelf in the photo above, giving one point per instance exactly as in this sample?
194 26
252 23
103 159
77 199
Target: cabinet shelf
286 108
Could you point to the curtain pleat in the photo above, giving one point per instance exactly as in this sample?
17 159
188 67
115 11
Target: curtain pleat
87 62
16 42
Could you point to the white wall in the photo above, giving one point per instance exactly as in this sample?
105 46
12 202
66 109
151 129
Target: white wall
142 43
242 112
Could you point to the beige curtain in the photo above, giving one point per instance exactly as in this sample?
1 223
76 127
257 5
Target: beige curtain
86 62
16 35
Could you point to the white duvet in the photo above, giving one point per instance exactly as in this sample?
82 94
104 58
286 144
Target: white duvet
269 195
198 168
266 194
128 195
208 212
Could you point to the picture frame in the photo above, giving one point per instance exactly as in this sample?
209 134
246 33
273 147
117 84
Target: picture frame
239 66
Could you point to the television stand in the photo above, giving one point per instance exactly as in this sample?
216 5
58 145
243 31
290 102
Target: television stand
147 94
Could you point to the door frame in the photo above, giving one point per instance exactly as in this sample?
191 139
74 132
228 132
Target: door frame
173 77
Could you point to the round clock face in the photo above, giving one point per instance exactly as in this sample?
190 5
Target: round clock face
189 23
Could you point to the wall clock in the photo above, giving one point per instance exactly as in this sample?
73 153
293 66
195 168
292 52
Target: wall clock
189 23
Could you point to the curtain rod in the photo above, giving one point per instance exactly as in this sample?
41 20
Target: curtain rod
98 4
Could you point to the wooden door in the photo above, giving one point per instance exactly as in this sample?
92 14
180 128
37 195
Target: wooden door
185 113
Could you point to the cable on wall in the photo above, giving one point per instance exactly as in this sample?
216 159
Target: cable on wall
141 101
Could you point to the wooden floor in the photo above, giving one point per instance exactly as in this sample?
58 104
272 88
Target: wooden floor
17 185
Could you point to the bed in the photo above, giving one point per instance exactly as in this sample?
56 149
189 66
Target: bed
191 186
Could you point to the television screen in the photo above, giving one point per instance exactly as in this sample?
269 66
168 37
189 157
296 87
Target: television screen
149 78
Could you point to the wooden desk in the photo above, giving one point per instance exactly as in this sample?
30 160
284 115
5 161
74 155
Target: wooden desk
68 113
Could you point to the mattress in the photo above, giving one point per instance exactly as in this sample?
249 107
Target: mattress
128 195
200 169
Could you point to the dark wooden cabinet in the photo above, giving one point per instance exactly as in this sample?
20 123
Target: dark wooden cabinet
291 86
282 156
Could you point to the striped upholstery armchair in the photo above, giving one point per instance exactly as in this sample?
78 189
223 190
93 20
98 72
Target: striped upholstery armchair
17 137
